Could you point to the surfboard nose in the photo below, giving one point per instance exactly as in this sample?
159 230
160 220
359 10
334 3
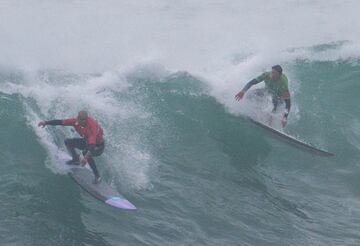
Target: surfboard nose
120 203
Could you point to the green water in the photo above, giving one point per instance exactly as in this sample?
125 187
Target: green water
197 174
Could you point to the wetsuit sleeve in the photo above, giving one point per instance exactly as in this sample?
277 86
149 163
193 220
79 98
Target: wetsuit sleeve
69 122
255 81
54 122
250 83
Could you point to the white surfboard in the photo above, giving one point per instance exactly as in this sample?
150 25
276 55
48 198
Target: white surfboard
291 140
102 191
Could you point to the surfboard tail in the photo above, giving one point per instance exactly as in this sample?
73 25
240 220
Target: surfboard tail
120 203
291 140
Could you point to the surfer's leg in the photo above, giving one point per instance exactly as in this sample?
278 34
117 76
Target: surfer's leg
97 178
98 150
72 143
275 102
92 164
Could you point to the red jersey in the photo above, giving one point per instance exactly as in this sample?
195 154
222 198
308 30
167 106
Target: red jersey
92 131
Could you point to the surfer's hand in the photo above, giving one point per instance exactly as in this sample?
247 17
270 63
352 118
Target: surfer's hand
240 95
42 124
83 162
284 121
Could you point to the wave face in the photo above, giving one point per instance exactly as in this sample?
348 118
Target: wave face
161 77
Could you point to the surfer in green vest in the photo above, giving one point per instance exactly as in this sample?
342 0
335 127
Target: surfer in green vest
276 83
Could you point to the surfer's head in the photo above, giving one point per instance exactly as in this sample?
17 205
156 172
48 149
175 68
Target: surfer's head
82 117
276 72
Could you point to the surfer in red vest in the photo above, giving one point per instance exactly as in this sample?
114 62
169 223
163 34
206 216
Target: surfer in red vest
91 142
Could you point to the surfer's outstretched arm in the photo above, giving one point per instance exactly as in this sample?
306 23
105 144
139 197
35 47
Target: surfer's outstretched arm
51 123
65 122
241 94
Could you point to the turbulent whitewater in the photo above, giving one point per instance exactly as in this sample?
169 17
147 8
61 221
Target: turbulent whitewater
161 77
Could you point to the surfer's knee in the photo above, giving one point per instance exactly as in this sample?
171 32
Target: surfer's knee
67 142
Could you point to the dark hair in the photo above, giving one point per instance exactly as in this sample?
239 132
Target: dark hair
277 68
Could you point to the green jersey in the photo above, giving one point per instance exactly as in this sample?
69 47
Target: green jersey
276 87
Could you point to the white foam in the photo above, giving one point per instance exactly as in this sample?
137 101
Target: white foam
226 42
56 157
58 95
196 36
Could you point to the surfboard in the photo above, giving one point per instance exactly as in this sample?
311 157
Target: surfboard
291 140
102 191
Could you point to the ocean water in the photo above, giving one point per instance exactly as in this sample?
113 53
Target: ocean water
161 77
